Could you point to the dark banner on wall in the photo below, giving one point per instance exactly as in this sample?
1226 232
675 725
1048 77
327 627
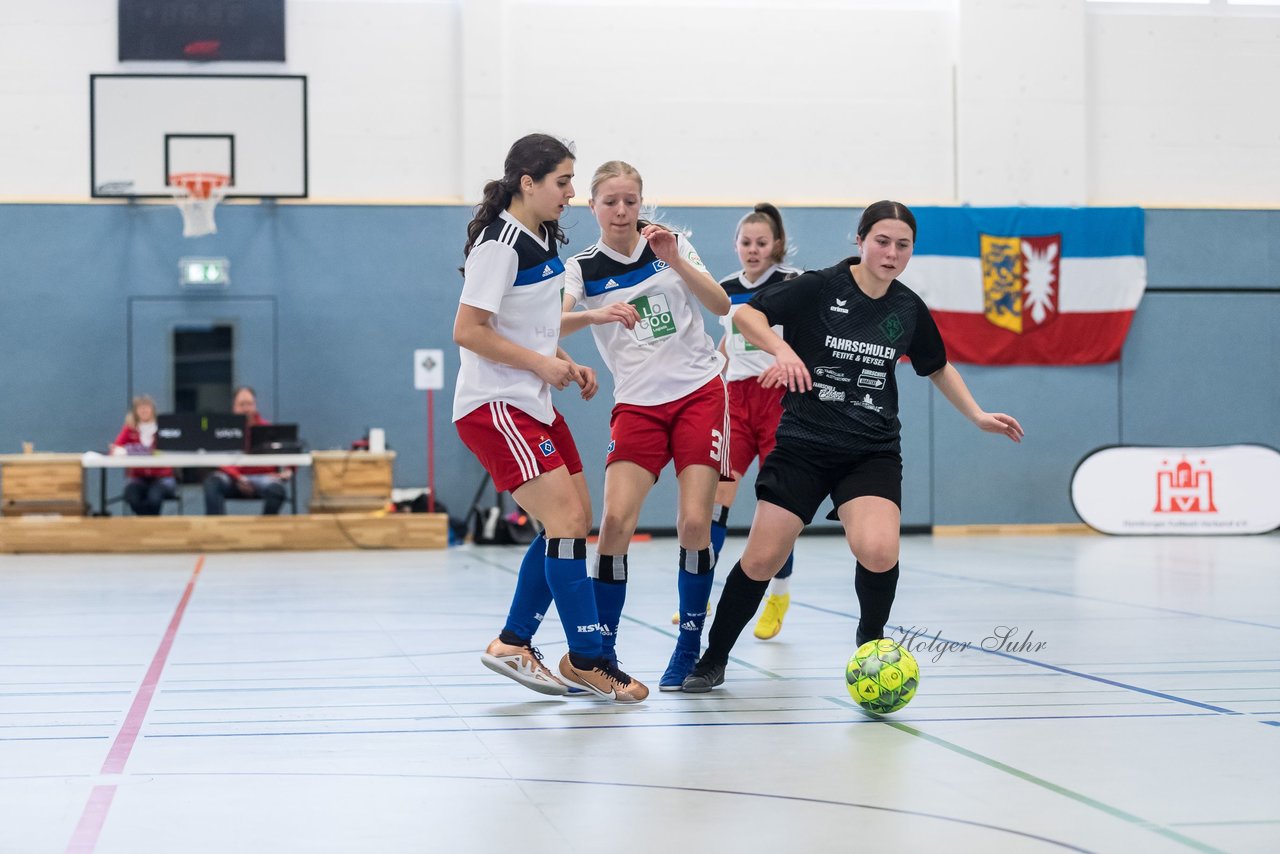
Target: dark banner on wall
1030 286
203 30
1229 489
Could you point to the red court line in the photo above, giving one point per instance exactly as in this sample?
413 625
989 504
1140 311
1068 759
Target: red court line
85 838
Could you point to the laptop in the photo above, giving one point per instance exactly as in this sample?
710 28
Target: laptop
187 431
274 439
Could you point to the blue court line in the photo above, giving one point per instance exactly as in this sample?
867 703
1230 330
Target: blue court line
61 693
468 651
1064 670
1012 586
1272 723
424 685
673 725
59 738
676 725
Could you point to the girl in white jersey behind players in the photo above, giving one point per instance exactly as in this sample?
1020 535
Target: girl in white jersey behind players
754 410
670 398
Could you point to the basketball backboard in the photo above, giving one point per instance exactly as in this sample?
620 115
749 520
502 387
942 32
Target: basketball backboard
146 127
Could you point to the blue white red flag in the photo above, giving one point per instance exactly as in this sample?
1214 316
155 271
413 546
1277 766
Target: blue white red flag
1030 286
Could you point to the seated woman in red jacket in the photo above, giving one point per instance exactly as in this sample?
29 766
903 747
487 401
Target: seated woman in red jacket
145 489
265 482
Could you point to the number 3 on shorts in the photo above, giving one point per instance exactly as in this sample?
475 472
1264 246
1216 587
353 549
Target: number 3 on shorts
717 444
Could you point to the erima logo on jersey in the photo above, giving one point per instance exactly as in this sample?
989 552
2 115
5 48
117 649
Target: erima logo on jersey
839 306
546 447
547 271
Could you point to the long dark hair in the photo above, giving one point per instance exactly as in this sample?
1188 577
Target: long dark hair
770 216
535 155
885 210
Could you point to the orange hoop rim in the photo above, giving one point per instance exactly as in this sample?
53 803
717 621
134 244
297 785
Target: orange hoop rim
199 185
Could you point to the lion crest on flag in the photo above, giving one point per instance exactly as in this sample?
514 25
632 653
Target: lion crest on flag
1020 281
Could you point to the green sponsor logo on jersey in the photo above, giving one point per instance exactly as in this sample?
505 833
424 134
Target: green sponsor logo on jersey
891 326
744 345
655 317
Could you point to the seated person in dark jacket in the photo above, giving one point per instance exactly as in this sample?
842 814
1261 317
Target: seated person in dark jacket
265 482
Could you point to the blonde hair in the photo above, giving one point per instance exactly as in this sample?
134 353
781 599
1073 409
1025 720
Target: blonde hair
615 169
648 213
131 417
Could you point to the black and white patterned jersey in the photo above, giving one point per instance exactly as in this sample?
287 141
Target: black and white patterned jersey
851 344
517 275
668 354
745 359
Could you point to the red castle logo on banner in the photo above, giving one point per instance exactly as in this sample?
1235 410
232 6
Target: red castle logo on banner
1184 490
1020 278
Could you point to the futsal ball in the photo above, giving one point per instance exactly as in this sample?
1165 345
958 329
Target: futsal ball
882 676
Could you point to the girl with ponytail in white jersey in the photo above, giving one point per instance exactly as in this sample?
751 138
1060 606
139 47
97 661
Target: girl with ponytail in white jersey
508 329
669 396
754 410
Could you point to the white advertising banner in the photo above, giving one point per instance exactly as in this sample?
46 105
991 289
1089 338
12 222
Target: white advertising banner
1228 489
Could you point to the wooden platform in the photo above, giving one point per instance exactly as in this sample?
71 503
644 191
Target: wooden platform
1035 530
326 532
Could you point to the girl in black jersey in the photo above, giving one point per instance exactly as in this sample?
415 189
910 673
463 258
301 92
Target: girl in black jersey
844 329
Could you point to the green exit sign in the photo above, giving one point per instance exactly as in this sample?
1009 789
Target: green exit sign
196 272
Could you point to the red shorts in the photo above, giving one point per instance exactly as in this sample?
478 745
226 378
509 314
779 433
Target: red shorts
513 447
693 430
754 413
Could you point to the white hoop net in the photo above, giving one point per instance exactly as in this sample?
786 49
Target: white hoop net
197 194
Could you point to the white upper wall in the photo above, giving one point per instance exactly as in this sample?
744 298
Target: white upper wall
722 101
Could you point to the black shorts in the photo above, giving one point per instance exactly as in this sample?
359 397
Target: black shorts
798 477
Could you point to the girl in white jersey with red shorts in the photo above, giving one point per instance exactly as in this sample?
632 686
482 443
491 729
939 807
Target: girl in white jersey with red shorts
670 398
507 329
754 411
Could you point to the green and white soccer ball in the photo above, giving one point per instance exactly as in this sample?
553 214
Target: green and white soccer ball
882 676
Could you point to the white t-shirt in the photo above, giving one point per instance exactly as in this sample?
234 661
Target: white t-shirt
669 353
745 359
516 275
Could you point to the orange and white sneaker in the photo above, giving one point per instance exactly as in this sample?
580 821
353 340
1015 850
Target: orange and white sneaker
523 664
604 679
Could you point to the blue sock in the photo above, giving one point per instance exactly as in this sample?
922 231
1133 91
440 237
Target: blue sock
532 597
785 572
566 568
610 583
719 530
694 583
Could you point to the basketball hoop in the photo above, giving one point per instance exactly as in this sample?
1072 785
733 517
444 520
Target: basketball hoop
197 194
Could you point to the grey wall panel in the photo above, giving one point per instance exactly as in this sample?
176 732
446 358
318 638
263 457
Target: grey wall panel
981 478
359 288
1203 369
1213 249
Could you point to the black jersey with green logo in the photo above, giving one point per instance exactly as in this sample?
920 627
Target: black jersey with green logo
851 344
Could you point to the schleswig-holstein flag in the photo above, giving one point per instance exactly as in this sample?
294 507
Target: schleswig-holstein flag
1030 286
